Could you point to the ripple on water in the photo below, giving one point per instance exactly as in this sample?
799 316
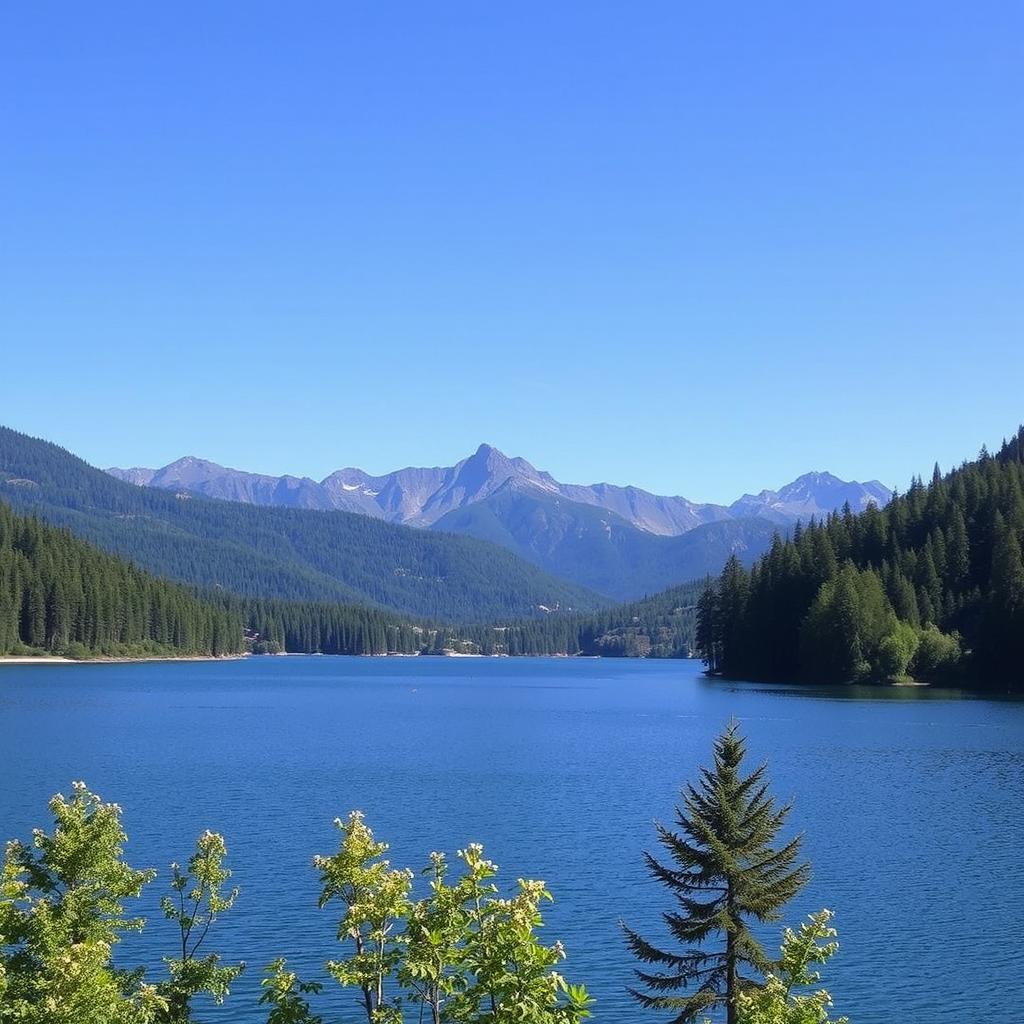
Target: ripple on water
910 805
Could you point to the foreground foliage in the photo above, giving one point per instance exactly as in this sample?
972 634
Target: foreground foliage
61 911
780 1000
197 899
462 954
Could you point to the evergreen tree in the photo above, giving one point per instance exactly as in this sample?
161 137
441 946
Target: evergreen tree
724 872
845 627
732 601
1004 620
60 595
841 599
707 637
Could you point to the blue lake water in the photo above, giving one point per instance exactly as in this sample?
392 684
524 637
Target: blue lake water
911 802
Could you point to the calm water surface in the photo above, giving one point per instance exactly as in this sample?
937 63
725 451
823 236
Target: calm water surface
911 802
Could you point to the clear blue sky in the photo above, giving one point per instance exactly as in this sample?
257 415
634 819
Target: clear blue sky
697 247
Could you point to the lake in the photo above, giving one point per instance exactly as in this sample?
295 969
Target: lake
911 803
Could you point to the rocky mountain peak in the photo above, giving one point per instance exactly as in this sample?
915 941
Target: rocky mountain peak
422 496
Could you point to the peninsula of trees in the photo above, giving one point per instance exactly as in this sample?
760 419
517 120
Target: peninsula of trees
931 586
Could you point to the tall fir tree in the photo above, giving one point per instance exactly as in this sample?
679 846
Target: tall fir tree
724 873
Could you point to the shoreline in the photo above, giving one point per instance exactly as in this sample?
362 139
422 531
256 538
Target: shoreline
875 684
54 659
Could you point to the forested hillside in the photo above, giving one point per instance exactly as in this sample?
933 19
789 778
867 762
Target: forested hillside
279 552
933 586
60 595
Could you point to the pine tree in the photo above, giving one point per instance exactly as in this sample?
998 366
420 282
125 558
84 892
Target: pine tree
706 634
724 872
1004 622
734 590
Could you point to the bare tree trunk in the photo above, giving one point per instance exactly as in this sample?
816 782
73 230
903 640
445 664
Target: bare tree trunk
731 973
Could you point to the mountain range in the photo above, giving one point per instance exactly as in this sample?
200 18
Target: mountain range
620 542
287 553
487 539
420 496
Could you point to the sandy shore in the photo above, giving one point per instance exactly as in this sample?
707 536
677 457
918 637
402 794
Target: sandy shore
11 659
18 659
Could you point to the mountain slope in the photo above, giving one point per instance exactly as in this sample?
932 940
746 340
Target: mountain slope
599 549
620 541
60 595
423 496
278 552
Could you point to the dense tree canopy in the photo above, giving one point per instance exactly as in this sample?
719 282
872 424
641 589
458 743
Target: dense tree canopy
931 583
62 596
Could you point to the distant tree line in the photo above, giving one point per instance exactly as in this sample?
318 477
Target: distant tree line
931 586
60 595
661 626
